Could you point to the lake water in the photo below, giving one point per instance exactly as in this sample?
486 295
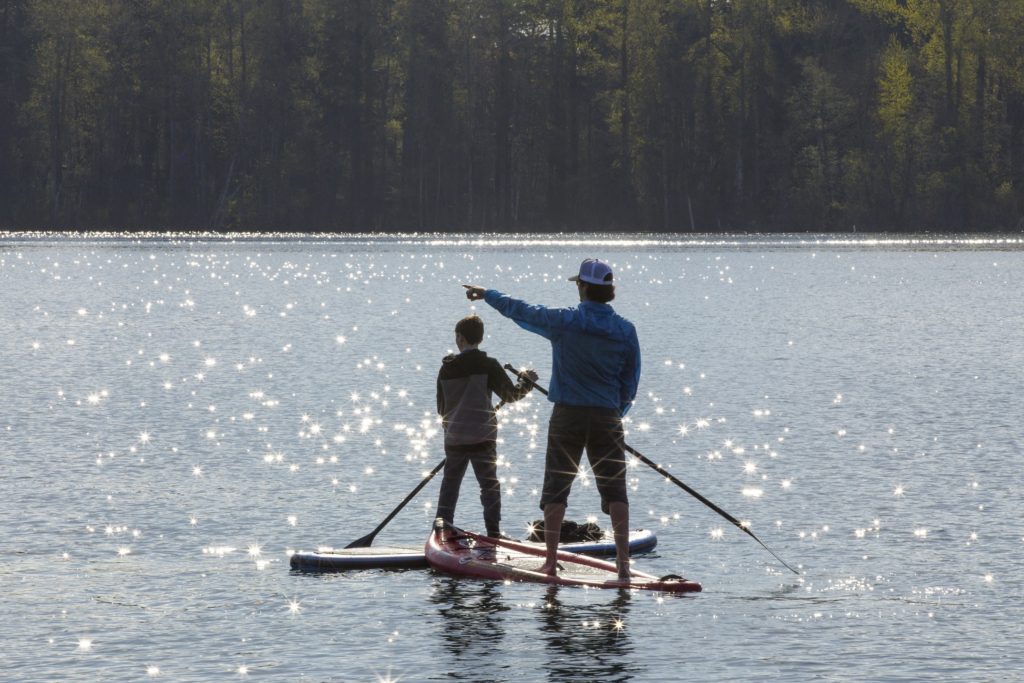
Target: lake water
182 413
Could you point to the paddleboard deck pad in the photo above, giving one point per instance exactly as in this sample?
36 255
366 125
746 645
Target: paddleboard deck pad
383 557
463 553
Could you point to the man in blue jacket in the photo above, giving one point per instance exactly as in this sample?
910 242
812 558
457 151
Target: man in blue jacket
594 378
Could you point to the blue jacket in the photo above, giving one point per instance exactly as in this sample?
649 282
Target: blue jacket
595 351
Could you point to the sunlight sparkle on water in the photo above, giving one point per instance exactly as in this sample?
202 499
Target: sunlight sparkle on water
153 670
85 644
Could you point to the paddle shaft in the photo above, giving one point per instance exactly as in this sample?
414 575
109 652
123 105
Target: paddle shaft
661 470
367 540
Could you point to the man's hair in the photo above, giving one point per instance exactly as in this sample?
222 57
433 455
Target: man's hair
472 328
601 294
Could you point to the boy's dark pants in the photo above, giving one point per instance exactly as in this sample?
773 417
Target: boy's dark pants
484 458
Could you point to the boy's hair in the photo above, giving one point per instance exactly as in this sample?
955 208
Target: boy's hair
601 294
472 328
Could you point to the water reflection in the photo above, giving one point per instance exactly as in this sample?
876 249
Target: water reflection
587 642
473 624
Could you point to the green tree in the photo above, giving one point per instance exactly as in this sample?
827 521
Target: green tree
899 132
822 116
350 81
64 106
512 114
15 84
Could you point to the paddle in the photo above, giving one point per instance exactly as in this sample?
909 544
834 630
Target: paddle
367 540
661 470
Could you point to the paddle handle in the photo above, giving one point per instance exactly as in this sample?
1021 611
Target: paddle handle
524 376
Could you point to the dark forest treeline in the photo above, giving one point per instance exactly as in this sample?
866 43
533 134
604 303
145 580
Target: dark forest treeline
678 115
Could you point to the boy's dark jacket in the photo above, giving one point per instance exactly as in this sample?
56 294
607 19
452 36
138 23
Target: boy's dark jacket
464 387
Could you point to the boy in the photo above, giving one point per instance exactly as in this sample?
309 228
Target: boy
464 387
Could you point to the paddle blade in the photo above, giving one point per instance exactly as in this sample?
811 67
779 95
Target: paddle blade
364 542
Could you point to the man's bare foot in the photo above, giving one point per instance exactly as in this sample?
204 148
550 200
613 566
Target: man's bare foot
549 569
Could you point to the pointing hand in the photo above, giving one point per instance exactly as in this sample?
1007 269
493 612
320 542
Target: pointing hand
474 293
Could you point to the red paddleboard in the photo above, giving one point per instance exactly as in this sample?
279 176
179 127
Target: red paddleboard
463 553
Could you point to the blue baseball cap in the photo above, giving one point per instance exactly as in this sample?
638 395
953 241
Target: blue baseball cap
594 271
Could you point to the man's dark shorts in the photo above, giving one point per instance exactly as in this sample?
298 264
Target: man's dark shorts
598 430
